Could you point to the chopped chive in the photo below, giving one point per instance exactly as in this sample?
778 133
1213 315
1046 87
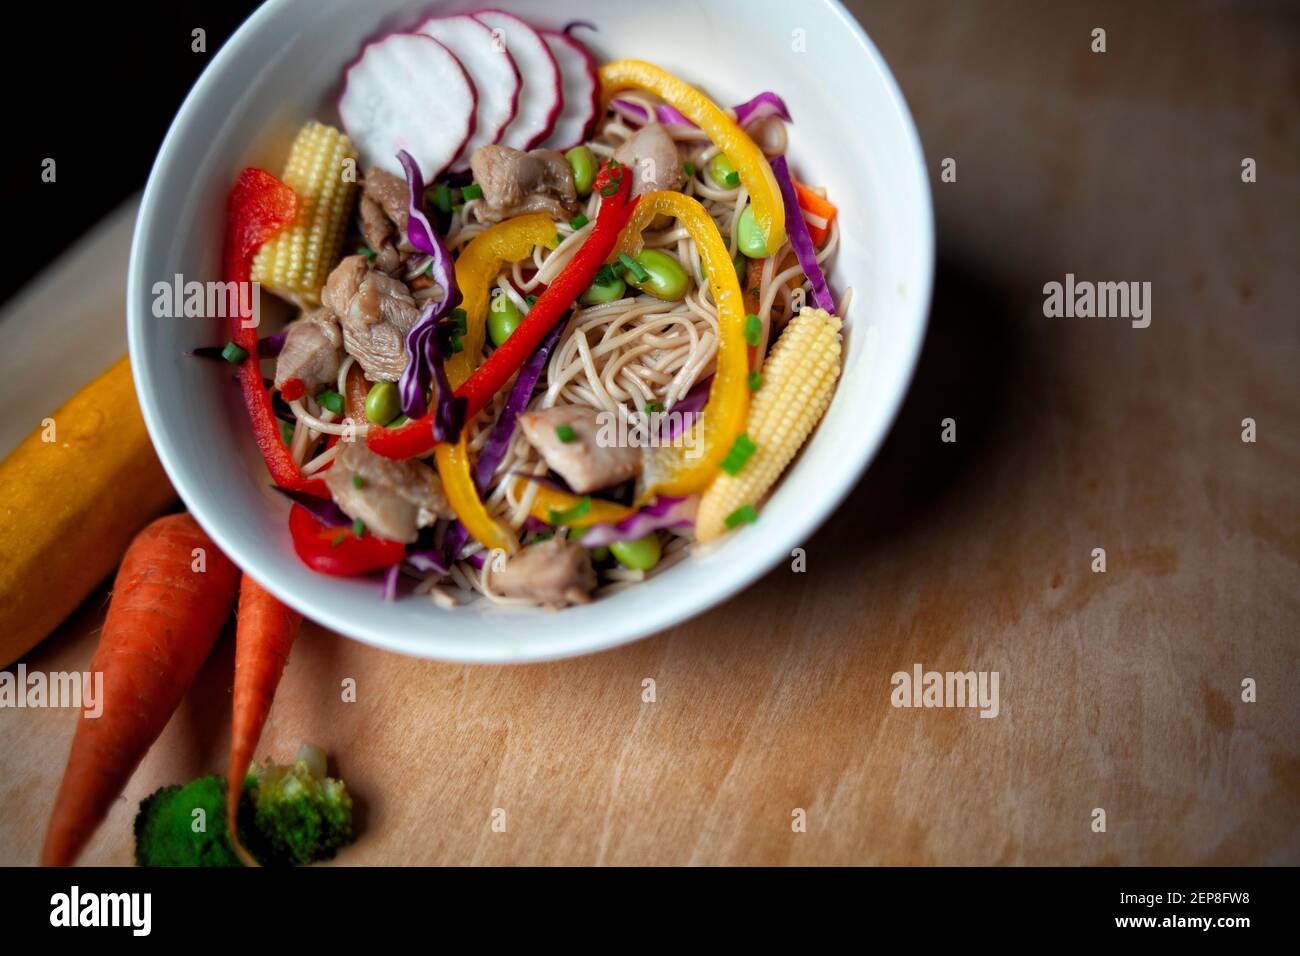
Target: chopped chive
331 400
578 221
753 329
570 514
731 179
599 554
365 251
358 527
652 407
609 189
739 454
457 207
745 514
456 344
755 381
442 197
358 482
531 300
543 536
565 433
615 169
338 539
286 432
558 238
459 320
606 275
472 191
233 354
634 267
688 168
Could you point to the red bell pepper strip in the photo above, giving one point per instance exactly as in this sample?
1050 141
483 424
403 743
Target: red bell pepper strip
416 438
259 206
338 551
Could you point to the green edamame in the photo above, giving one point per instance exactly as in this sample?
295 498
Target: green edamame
503 318
749 239
383 403
665 279
639 555
583 163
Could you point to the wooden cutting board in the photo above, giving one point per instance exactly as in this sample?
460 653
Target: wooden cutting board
1119 690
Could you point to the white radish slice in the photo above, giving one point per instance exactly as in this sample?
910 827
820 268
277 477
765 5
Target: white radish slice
581 86
493 70
540 96
407 91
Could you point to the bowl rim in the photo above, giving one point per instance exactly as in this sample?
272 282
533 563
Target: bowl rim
560 642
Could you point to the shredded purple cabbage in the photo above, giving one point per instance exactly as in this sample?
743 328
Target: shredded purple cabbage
797 231
322 509
666 512
426 561
424 351
691 403
390 582
751 111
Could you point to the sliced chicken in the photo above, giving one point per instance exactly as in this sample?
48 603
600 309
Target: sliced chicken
376 311
515 182
312 351
575 446
383 213
554 573
394 500
343 283
652 156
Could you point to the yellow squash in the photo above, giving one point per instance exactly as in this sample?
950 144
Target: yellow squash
70 506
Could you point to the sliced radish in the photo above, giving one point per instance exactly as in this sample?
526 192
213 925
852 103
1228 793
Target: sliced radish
490 66
581 85
408 91
540 96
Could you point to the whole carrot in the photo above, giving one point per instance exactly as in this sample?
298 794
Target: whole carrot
171 598
264 634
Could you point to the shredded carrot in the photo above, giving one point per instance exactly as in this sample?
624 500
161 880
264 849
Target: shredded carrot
171 598
818 212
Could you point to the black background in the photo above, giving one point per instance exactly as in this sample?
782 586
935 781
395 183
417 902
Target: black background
95 88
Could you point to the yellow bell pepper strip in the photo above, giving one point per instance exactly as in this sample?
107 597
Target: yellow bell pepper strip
722 130
552 501
477 268
458 486
677 469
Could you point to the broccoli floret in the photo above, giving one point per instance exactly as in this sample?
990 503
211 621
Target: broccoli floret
287 816
168 832
300 815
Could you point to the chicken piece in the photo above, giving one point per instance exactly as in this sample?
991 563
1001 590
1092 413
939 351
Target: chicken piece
343 284
652 156
394 500
554 572
515 182
591 459
312 351
383 213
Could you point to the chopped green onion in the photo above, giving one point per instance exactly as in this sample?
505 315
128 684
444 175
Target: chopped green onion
460 320
570 514
338 539
233 354
358 482
755 380
745 514
578 221
472 191
609 189
753 329
531 300
738 455
358 527
652 407
615 170
558 237
456 344
565 433
599 554
606 275
688 168
366 251
286 432
631 265
330 400
543 536
442 197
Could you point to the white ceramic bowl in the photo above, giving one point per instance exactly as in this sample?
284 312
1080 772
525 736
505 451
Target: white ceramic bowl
851 131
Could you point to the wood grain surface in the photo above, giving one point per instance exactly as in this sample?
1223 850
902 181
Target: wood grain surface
1118 690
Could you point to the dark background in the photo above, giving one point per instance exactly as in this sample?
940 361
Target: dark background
100 111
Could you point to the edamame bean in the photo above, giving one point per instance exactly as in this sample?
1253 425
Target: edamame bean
503 318
583 163
383 403
723 172
607 288
666 278
749 239
639 555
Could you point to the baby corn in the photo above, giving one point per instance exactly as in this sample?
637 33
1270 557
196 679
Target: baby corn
296 263
797 381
